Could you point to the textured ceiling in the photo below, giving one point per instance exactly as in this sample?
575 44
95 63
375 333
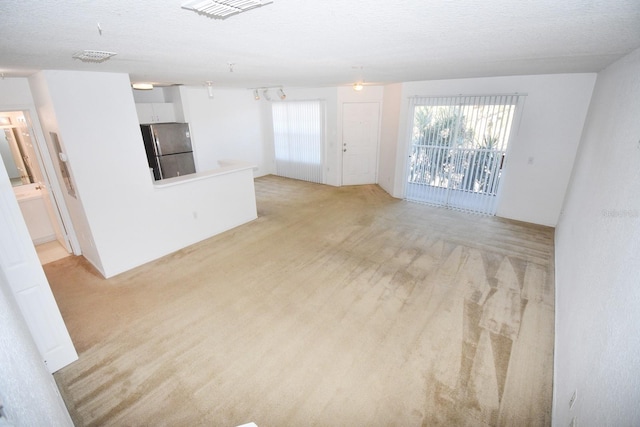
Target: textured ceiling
324 43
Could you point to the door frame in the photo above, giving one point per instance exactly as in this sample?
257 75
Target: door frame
50 177
377 147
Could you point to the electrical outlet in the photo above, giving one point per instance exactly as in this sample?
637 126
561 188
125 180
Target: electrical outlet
572 401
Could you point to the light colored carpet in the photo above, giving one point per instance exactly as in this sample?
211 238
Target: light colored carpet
336 307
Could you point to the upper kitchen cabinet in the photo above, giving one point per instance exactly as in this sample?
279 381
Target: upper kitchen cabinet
156 112
159 105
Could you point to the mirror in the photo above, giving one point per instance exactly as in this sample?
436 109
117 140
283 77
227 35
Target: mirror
14 155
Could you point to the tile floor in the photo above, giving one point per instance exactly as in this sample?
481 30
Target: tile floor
51 251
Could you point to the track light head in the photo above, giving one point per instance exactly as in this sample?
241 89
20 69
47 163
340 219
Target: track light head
209 85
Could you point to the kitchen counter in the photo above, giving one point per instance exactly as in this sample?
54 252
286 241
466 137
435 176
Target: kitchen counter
226 167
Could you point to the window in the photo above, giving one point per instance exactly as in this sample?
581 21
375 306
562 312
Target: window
458 148
298 135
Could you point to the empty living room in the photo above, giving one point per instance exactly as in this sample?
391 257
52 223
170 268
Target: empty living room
277 213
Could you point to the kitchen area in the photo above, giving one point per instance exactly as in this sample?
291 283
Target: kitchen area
165 133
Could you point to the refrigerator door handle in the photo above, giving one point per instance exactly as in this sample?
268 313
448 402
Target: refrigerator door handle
159 167
157 144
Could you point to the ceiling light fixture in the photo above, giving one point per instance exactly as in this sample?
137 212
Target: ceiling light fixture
222 8
359 84
93 55
256 95
266 95
281 94
209 88
142 86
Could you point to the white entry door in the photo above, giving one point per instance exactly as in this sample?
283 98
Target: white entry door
21 267
360 124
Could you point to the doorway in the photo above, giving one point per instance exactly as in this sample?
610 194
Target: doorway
23 160
360 130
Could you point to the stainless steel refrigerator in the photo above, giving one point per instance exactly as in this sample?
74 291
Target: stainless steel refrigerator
168 147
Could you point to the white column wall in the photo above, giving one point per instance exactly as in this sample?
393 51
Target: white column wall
597 343
389 137
541 155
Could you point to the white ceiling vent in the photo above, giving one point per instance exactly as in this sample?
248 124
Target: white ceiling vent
93 55
223 8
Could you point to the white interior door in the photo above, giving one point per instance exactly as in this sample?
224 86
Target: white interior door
20 265
360 125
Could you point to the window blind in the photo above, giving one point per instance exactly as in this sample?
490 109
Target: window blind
298 134
458 148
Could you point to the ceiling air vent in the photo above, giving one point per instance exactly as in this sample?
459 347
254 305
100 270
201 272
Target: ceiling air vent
223 8
93 55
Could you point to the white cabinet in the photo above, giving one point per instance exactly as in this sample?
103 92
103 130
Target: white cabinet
156 112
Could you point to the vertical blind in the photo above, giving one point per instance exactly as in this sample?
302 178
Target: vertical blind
458 147
298 135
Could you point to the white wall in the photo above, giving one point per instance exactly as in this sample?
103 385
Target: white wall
28 393
130 221
597 348
389 134
229 126
541 155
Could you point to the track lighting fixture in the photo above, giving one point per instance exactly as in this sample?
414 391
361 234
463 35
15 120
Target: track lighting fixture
358 86
266 94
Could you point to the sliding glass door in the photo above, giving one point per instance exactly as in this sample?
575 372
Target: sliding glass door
458 148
